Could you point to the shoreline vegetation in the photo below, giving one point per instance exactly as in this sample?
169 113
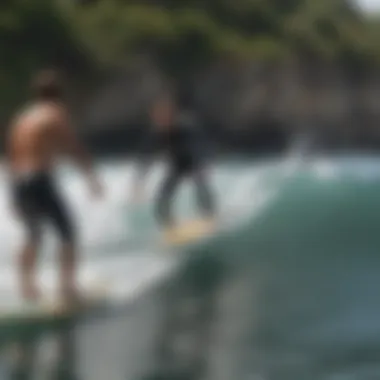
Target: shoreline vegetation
259 71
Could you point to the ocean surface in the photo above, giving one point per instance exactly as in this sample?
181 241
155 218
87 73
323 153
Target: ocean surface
288 290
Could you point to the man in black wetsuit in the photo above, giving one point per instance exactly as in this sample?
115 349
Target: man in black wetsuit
179 137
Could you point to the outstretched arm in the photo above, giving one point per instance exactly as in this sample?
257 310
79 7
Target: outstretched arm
72 146
144 160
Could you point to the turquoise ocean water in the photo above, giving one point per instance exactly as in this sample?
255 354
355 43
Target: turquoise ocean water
289 290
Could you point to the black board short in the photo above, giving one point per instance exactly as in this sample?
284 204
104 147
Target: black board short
37 201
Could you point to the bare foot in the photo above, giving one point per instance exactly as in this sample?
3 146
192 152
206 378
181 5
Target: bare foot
30 292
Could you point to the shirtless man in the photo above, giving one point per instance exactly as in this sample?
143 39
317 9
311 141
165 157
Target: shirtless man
38 135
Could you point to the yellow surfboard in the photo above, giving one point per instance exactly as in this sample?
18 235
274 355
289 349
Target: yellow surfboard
189 231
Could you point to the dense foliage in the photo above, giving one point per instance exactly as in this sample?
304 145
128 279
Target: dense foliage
178 34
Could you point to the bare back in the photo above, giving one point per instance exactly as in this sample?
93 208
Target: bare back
33 142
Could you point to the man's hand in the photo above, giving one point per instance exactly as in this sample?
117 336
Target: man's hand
96 188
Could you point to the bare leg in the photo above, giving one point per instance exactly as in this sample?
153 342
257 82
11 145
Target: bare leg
28 256
69 290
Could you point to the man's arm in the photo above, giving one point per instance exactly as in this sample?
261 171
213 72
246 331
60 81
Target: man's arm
72 146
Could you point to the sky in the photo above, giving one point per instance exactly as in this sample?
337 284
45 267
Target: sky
369 5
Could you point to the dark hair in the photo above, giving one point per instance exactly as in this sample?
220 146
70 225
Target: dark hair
47 85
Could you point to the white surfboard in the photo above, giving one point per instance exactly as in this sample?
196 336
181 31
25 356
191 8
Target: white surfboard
49 308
